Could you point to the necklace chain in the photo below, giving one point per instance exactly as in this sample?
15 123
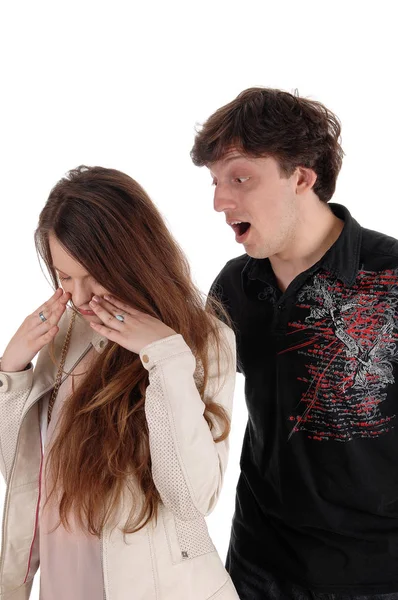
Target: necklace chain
60 371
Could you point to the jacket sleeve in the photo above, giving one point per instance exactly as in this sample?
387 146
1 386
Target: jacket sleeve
14 391
187 464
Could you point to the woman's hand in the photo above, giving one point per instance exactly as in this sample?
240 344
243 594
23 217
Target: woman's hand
34 333
134 332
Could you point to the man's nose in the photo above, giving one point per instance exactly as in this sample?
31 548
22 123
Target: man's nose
223 199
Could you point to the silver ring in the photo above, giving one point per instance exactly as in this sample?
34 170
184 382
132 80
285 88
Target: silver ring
42 317
120 318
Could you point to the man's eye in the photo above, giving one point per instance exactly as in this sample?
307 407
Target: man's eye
241 179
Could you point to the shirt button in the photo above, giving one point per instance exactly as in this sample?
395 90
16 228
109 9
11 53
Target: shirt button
4 383
145 358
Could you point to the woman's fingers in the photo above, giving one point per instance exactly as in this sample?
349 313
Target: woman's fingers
115 303
46 307
42 327
51 310
65 297
110 333
106 312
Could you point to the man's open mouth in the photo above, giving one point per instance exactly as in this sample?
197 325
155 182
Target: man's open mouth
240 228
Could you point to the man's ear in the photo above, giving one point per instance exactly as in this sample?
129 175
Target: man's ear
306 179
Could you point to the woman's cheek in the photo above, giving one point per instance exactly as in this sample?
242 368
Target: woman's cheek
100 291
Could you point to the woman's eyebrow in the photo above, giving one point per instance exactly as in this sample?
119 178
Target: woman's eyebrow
64 273
60 271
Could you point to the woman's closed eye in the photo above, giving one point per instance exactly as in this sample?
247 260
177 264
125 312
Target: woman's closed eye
64 277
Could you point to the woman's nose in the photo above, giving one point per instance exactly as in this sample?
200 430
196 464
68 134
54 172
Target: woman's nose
81 295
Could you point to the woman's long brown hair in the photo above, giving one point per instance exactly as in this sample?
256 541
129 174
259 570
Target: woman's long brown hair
106 221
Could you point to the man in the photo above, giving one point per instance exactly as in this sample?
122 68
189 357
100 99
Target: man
314 305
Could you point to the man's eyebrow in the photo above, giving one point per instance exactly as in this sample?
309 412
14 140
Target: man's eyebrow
233 157
229 159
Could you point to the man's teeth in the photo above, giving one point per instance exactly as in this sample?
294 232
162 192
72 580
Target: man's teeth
236 222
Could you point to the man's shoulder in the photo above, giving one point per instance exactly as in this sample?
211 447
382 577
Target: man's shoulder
230 275
380 248
234 267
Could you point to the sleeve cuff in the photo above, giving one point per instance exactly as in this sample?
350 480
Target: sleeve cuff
158 351
16 381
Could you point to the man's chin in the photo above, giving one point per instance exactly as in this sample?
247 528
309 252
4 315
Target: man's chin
256 253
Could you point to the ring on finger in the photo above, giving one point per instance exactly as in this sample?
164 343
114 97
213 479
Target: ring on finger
42 317
120 317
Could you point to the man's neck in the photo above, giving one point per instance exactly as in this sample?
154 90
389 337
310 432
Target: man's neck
317 231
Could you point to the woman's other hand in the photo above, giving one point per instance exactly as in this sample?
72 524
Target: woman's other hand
134 330
37 330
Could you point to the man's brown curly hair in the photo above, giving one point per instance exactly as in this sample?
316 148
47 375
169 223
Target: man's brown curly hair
268 122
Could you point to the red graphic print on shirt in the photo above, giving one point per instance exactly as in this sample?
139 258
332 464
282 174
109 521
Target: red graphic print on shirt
349 357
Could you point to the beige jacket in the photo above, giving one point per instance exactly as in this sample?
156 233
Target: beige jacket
171 559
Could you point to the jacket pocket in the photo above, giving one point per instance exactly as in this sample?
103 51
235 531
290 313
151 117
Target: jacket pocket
227 592
186 539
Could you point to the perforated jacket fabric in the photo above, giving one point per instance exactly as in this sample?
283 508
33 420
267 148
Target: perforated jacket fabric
172 558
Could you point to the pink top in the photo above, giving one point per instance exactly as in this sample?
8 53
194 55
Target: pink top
70 562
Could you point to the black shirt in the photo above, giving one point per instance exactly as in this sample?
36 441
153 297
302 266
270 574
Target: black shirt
317 499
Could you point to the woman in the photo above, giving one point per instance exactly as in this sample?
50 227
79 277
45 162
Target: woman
114 447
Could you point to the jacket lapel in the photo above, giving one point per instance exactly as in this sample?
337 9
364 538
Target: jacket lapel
47 362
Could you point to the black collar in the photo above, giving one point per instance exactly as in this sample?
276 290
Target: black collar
342 259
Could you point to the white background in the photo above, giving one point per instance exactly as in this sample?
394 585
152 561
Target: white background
123 84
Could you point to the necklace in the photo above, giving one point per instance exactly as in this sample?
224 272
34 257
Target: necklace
60 371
